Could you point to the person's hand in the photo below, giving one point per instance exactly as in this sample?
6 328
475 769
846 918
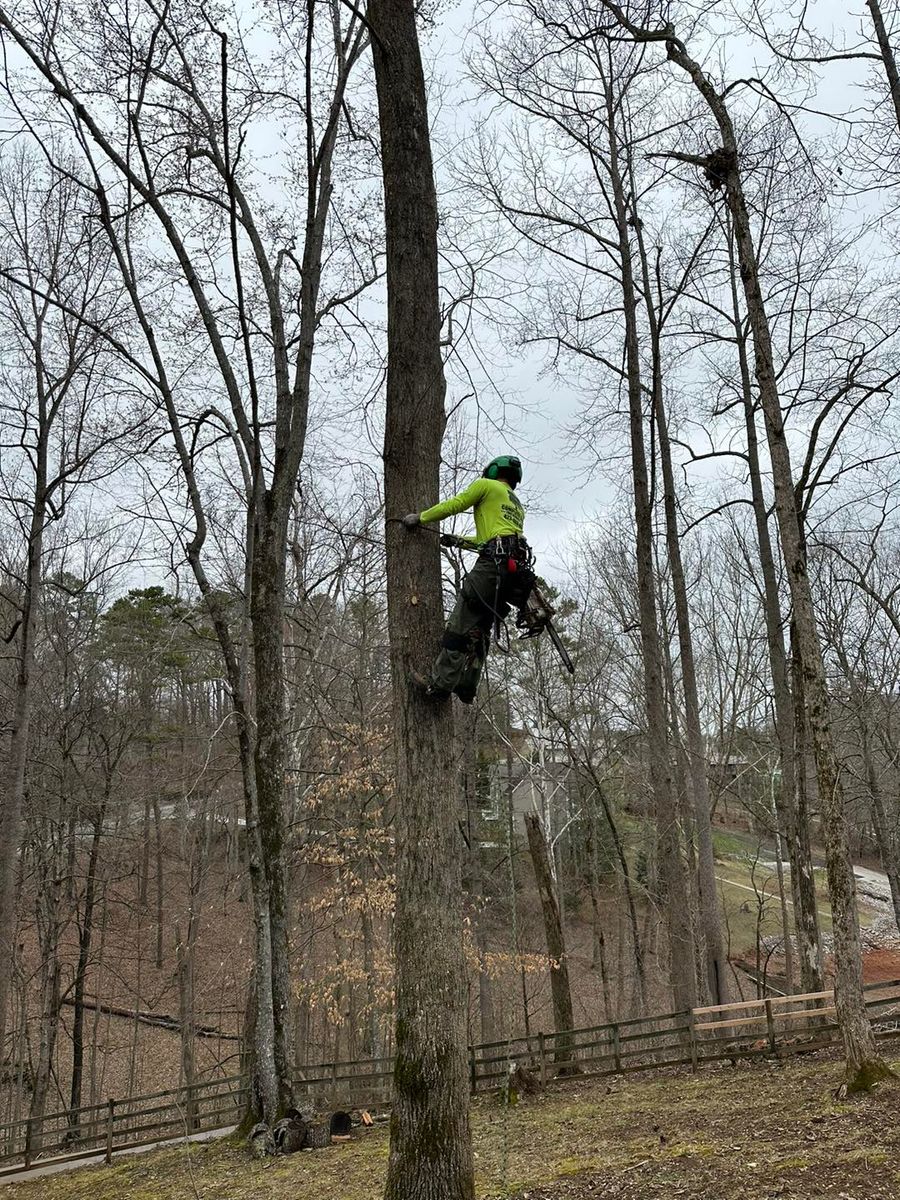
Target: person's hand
449 539
410 521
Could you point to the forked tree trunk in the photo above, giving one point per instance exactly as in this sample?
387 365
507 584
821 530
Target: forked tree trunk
715 961
864 1065
563 1017
431 1149
676 902
790 797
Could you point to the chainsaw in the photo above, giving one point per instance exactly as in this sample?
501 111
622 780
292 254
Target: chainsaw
534 617
537 616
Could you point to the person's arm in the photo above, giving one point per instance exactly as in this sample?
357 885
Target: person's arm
456 504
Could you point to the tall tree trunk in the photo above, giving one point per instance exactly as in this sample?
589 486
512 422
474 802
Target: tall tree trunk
598 956
370 1025
887 55
13 795
887 839
474 882
884 835
144 886
803 798
49 886
790 798
160 883
669 851
431 1147
715 959
787 941
49 1027
511 847
710 916
563 1017
85 937
270 760
863 1063
184 957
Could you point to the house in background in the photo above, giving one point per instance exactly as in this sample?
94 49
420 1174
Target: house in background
544 787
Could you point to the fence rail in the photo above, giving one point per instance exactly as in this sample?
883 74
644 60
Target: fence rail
753 1028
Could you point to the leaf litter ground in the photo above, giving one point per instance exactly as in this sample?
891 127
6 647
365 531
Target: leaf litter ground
758 1132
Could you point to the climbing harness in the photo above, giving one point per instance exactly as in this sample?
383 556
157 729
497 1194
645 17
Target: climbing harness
514 561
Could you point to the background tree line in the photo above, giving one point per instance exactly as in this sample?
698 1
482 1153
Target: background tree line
217 791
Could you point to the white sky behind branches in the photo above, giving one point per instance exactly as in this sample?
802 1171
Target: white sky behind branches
565 491
517 406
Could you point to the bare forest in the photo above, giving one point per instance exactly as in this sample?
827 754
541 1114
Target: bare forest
273 275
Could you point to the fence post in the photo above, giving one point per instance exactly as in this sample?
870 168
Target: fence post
616 1049
692 1028
473 1077
542 1051
110 1117
770 1027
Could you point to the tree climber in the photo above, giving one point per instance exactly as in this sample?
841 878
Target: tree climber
501 578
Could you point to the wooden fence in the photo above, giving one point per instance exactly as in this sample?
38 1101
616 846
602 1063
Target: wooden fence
781 1025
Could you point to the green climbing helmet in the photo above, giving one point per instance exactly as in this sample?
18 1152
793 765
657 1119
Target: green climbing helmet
505 462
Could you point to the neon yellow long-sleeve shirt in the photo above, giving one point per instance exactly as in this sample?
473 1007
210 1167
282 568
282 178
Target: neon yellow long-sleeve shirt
498 510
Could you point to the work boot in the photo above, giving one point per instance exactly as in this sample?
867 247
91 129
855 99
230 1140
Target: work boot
427 688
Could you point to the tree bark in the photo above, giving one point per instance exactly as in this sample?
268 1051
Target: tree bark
184 957
431 1150
676 905
474 882
710 919
598 955
160 885
563 1017
13 796
864 1066
884 835
270 758
49 1027
790 798
887 55
512 847
887 841
85 937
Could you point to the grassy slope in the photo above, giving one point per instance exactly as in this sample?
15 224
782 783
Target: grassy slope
752 1133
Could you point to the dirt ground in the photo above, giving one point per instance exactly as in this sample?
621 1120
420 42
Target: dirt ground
881 965
738 1133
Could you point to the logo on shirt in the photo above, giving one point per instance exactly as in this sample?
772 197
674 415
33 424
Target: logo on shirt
513 510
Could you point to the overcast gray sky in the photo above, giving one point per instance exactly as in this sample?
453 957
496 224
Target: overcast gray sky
565 493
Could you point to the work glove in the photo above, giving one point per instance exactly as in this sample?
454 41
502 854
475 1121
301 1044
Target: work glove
449 539
410 521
